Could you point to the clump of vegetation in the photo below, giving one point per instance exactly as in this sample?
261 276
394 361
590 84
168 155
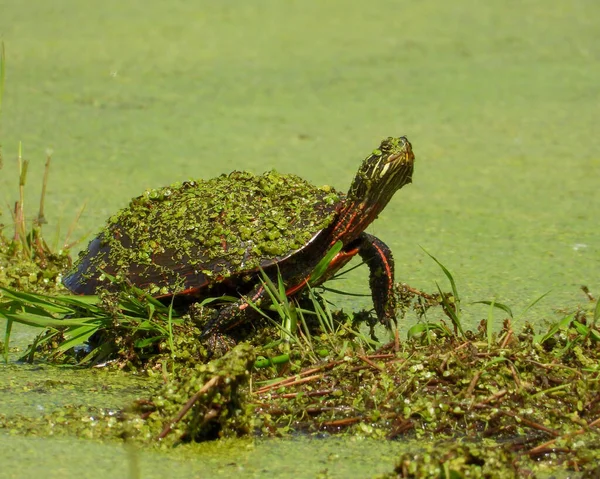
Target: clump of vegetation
200 403
484 400
26 260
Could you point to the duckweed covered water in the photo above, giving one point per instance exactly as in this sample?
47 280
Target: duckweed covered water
500 101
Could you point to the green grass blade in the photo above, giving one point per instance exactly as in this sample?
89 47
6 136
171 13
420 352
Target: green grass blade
150 326
145 342
304 325
31 319
37 300
345 293
7 332
586 331
323 265
133 293
77 337
269 285
488 325
170 335
495 361
324 318
450 310
533 303
224 298
83 300
97 354
448 275
562 324
45 337
420 328
280 287
501 306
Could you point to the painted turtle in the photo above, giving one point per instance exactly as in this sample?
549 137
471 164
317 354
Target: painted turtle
208 238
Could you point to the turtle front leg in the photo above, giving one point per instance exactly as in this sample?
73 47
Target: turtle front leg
231 316
379 258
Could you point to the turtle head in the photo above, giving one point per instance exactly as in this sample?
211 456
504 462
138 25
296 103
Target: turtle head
382 173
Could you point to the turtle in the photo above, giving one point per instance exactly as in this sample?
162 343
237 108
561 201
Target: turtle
209 238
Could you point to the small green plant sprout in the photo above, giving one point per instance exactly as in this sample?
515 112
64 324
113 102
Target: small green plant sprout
493 304
450 303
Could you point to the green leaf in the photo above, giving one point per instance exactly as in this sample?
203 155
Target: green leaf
224 298
38 300
145 342
488 325
7 338
420 328
450 310
39 321
345 293
585 331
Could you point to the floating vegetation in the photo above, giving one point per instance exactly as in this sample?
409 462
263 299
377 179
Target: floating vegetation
188 235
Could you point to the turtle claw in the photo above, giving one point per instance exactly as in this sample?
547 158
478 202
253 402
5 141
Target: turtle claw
218 344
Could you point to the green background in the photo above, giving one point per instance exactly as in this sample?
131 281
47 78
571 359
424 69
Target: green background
501 100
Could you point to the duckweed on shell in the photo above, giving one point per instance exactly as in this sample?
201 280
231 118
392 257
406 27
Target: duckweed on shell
180 236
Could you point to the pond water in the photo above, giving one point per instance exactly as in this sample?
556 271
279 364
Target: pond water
500 101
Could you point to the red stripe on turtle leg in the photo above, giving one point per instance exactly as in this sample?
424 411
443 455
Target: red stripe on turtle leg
381 265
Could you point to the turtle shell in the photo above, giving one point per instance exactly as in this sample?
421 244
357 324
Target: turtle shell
185 238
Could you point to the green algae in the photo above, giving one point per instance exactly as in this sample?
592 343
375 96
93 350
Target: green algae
66 458
38 389
36 269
